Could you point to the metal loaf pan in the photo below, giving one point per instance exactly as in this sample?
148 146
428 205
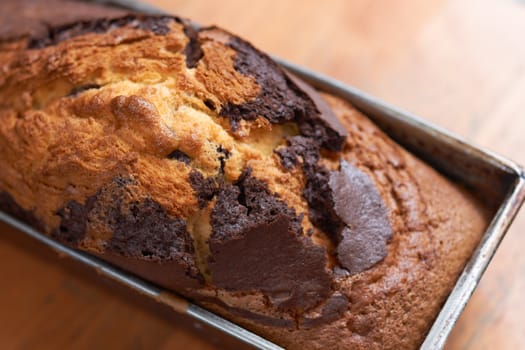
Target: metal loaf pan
501 181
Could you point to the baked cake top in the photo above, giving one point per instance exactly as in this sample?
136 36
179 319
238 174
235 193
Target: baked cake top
217 138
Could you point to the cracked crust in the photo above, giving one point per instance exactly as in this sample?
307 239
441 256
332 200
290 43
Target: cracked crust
185 155
393 304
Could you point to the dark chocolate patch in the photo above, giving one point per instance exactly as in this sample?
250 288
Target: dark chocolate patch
9 206
73 220
276 102
358 203
180 156
205 188
280 99
246 202
79 89
142 230
193 49
320 203
170 274
257 244
336 133
334 307
299 147
156 24
316 191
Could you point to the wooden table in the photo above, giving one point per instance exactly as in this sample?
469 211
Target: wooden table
458 63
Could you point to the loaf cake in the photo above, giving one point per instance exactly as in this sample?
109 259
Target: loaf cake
187 156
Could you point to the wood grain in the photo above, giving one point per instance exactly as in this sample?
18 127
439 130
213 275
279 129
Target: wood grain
458 63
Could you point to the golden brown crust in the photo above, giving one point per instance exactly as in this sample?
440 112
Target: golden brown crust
437 225
142 109
153 127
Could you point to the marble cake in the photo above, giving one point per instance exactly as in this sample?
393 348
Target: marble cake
187 156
